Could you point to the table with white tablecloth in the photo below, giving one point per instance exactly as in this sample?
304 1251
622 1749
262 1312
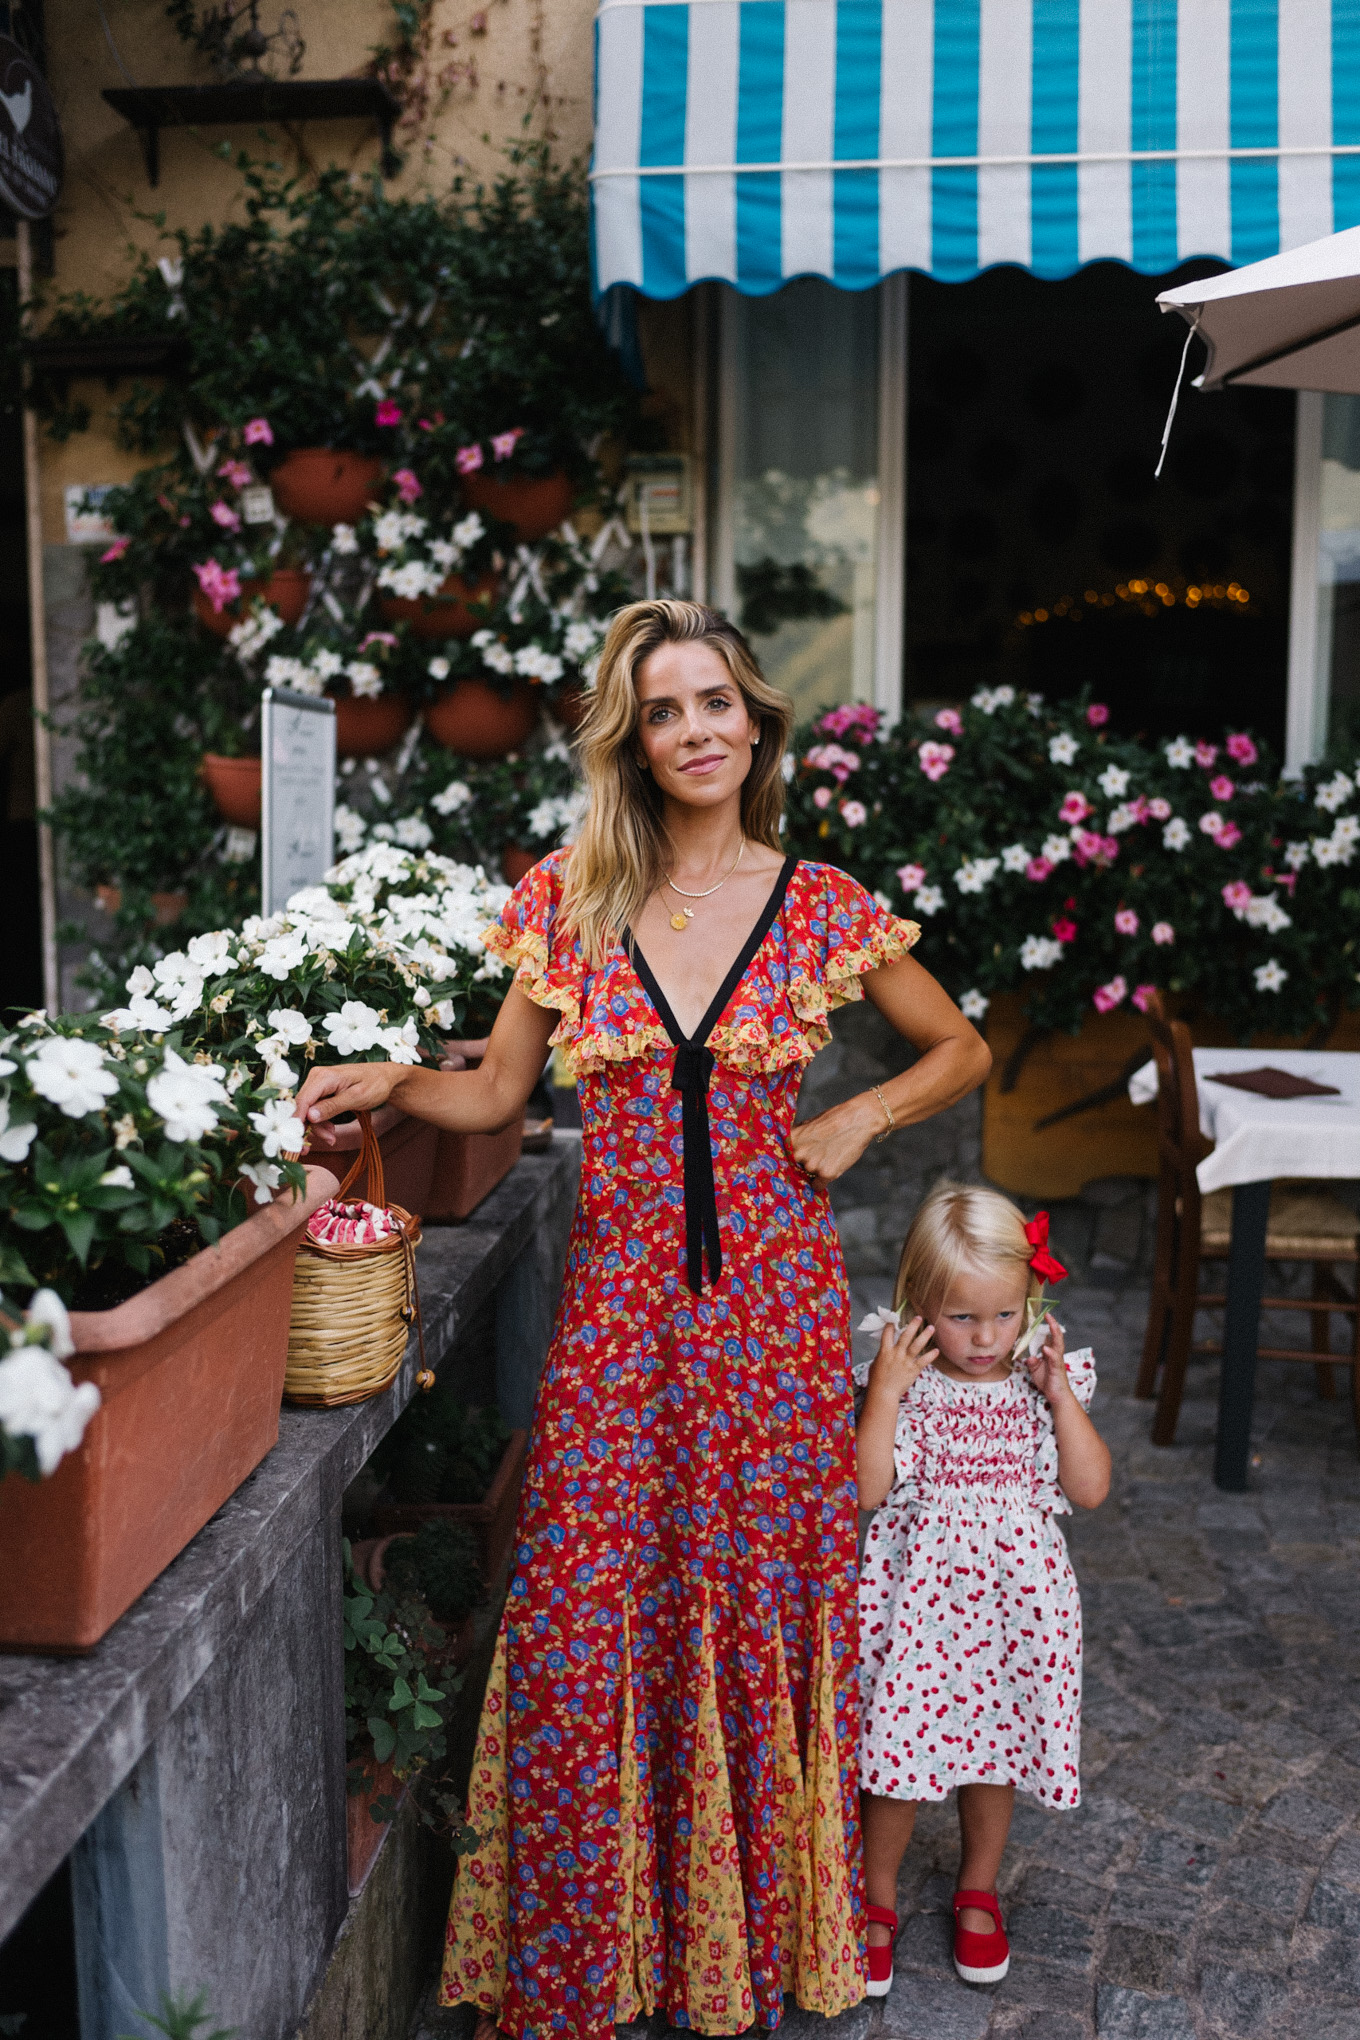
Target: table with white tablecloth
1257 1140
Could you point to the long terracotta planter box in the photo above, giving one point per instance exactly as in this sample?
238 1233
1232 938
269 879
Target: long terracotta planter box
408 1156
468 1166
492 1519
191 1379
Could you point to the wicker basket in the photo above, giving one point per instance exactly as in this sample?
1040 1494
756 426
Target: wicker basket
353 1304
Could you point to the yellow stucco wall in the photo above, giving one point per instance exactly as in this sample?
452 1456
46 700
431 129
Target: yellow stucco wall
527 58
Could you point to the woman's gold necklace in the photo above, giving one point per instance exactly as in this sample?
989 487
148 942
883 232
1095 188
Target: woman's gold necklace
682 920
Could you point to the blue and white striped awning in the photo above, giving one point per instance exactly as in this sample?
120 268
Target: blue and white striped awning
758 140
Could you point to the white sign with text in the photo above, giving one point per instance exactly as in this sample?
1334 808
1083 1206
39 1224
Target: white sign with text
298 807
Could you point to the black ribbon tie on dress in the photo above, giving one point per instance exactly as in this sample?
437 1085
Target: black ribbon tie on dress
691 1075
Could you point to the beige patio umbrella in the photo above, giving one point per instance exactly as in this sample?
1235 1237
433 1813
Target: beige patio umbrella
1291 322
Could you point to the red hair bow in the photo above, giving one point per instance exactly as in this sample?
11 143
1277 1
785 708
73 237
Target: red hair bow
1044 1264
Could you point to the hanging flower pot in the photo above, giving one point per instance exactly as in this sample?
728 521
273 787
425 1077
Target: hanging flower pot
367 725
318 485
534 504
517 863
287 591
166 906
458 609
234 785
567 705
477 721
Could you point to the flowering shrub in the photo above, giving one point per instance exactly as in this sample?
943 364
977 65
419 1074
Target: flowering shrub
43 1413
1045 854
532 802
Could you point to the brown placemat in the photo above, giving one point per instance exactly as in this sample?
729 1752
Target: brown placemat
1272 1083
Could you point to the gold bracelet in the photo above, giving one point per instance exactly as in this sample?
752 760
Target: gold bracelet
887 1113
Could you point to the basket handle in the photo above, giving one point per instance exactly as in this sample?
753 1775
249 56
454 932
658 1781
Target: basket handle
368 1162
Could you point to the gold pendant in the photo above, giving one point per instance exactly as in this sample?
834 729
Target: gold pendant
680 922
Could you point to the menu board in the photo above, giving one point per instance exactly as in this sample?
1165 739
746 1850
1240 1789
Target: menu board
298 805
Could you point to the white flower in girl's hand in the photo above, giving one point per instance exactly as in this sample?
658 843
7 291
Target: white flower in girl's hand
879 1321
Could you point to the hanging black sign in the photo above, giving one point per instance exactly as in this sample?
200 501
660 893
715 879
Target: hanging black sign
31 155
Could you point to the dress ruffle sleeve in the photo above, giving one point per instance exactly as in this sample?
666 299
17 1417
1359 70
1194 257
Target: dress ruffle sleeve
1081 1372
844 933
528 938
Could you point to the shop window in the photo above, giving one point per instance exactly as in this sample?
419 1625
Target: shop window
808 487
1041 550
1325 652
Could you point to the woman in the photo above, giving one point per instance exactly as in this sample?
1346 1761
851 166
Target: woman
665 1784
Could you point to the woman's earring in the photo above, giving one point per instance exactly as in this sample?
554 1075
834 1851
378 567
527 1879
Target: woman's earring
754 742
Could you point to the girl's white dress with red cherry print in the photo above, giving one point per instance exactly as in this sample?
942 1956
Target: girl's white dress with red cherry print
970 1619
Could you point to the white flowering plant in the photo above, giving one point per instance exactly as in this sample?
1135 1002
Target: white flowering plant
1043 852
123 1149
532 802
43 1412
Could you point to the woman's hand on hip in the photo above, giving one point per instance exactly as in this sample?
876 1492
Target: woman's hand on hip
344 1087
825 1147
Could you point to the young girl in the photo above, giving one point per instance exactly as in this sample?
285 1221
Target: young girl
972 1438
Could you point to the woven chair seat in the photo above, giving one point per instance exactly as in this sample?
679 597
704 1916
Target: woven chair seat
1304 1225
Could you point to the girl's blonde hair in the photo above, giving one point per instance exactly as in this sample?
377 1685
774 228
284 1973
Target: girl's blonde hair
961 1225
618 860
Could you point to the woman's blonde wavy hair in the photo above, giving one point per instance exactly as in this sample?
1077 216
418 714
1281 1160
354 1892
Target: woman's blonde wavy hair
619 858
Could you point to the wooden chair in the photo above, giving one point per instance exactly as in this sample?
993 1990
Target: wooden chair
1306 1224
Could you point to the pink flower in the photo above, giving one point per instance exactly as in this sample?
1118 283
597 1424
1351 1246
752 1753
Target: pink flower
1237 895
1213 823
1163 934
1064 931
388 412
221 513
1205 754
468 459
432 424
950 719
219 585
855 718
1241 748
1038 869
1126 921
408 488
911 877
503 444
378 637
854 813
1097 714
1228 835
1075 808
1288 879
258 432
822 797
1222 787
1090 848
115 551
934 759
1159 809
1139 808
1106 997
236 472
1141 996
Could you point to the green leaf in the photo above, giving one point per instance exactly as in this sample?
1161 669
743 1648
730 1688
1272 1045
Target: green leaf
384 1738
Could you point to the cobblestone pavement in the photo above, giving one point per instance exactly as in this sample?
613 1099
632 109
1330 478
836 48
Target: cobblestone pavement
1209 1885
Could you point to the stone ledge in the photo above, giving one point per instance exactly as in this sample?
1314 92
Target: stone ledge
72 1729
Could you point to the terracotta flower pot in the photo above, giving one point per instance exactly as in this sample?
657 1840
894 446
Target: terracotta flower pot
458 609
166 906
368 725
408 1154
370 1562
492 1519
191 1378
568 706
468 1166
318 485
476 721
534 504
516 863
365 1836
235 787
286 591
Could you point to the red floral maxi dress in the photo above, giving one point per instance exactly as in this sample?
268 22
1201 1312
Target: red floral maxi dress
665 1782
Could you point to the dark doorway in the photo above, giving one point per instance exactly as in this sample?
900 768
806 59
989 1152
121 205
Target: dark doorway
1042 551
38 1968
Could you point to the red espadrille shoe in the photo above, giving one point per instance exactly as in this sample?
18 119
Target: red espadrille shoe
980 1958
881 1959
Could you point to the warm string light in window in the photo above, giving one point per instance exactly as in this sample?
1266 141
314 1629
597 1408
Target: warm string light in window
1147 596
